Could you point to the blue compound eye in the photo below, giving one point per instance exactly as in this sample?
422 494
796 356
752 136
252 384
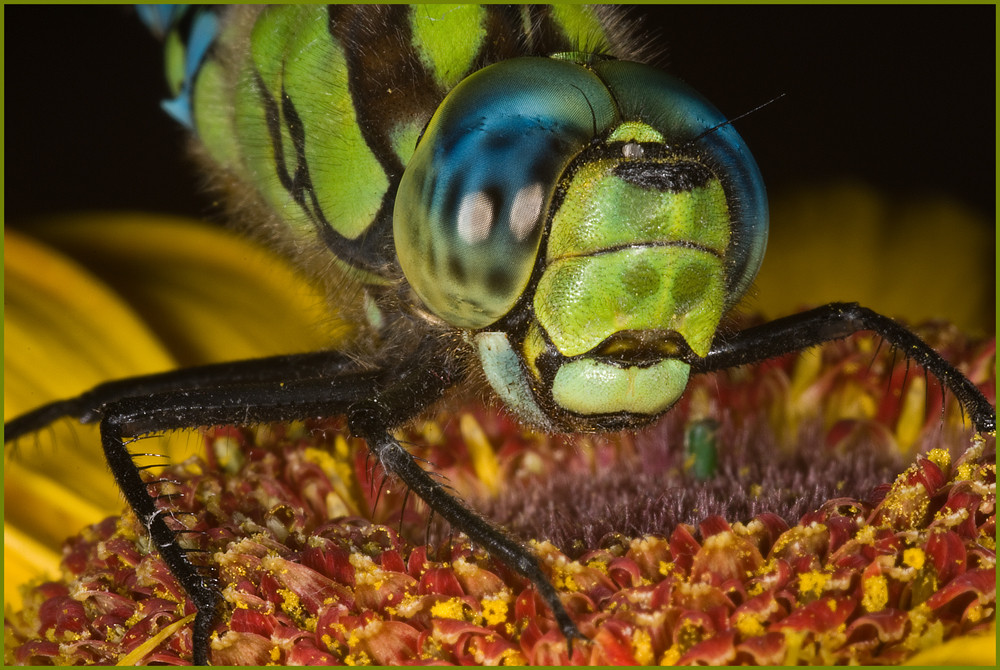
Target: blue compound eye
472 203
692 126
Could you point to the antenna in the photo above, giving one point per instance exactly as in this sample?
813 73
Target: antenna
734 120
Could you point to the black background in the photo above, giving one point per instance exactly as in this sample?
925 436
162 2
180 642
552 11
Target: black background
902 98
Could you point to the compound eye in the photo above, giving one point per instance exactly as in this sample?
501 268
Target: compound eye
472 204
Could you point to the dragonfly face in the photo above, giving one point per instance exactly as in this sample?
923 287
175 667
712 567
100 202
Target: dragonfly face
587 222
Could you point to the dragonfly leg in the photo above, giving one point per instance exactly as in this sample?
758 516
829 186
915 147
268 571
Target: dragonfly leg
364 421
834 321
257 397
202 592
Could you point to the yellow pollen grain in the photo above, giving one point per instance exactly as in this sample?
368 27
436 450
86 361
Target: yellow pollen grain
448 609
866 535
689 634
360 658
671 656
914 557
812 582
965 471
494 611
598 564
975 613
275 654
512 657
940 458
748 625
793 646
642 647
290 602
876 593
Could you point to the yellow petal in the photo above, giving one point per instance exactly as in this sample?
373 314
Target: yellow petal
209 294
966 650
929 258
114 296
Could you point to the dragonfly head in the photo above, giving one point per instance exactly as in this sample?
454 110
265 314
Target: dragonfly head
588 223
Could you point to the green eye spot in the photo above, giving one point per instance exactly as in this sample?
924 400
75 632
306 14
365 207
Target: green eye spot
641 281
689 286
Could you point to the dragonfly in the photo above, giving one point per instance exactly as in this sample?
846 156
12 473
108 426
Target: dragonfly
530 208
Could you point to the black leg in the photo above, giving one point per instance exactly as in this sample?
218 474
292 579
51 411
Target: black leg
204 595
282 389
87 406
834 321
364 421
374 402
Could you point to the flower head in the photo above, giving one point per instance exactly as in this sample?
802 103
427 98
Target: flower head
818 508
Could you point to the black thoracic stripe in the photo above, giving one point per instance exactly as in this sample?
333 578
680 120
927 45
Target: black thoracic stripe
358 253
389 87
273 119
546 36
505 37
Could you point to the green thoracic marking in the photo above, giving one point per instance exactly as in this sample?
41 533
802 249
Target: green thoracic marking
434 29
581 27
404 139
601 211
586 386
214 117
173 61
305 86
271 32
581 301
347 177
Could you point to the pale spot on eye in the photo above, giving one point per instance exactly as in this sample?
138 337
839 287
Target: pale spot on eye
525 210
632 150
475 217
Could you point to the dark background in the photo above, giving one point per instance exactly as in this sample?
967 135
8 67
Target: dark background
902 98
